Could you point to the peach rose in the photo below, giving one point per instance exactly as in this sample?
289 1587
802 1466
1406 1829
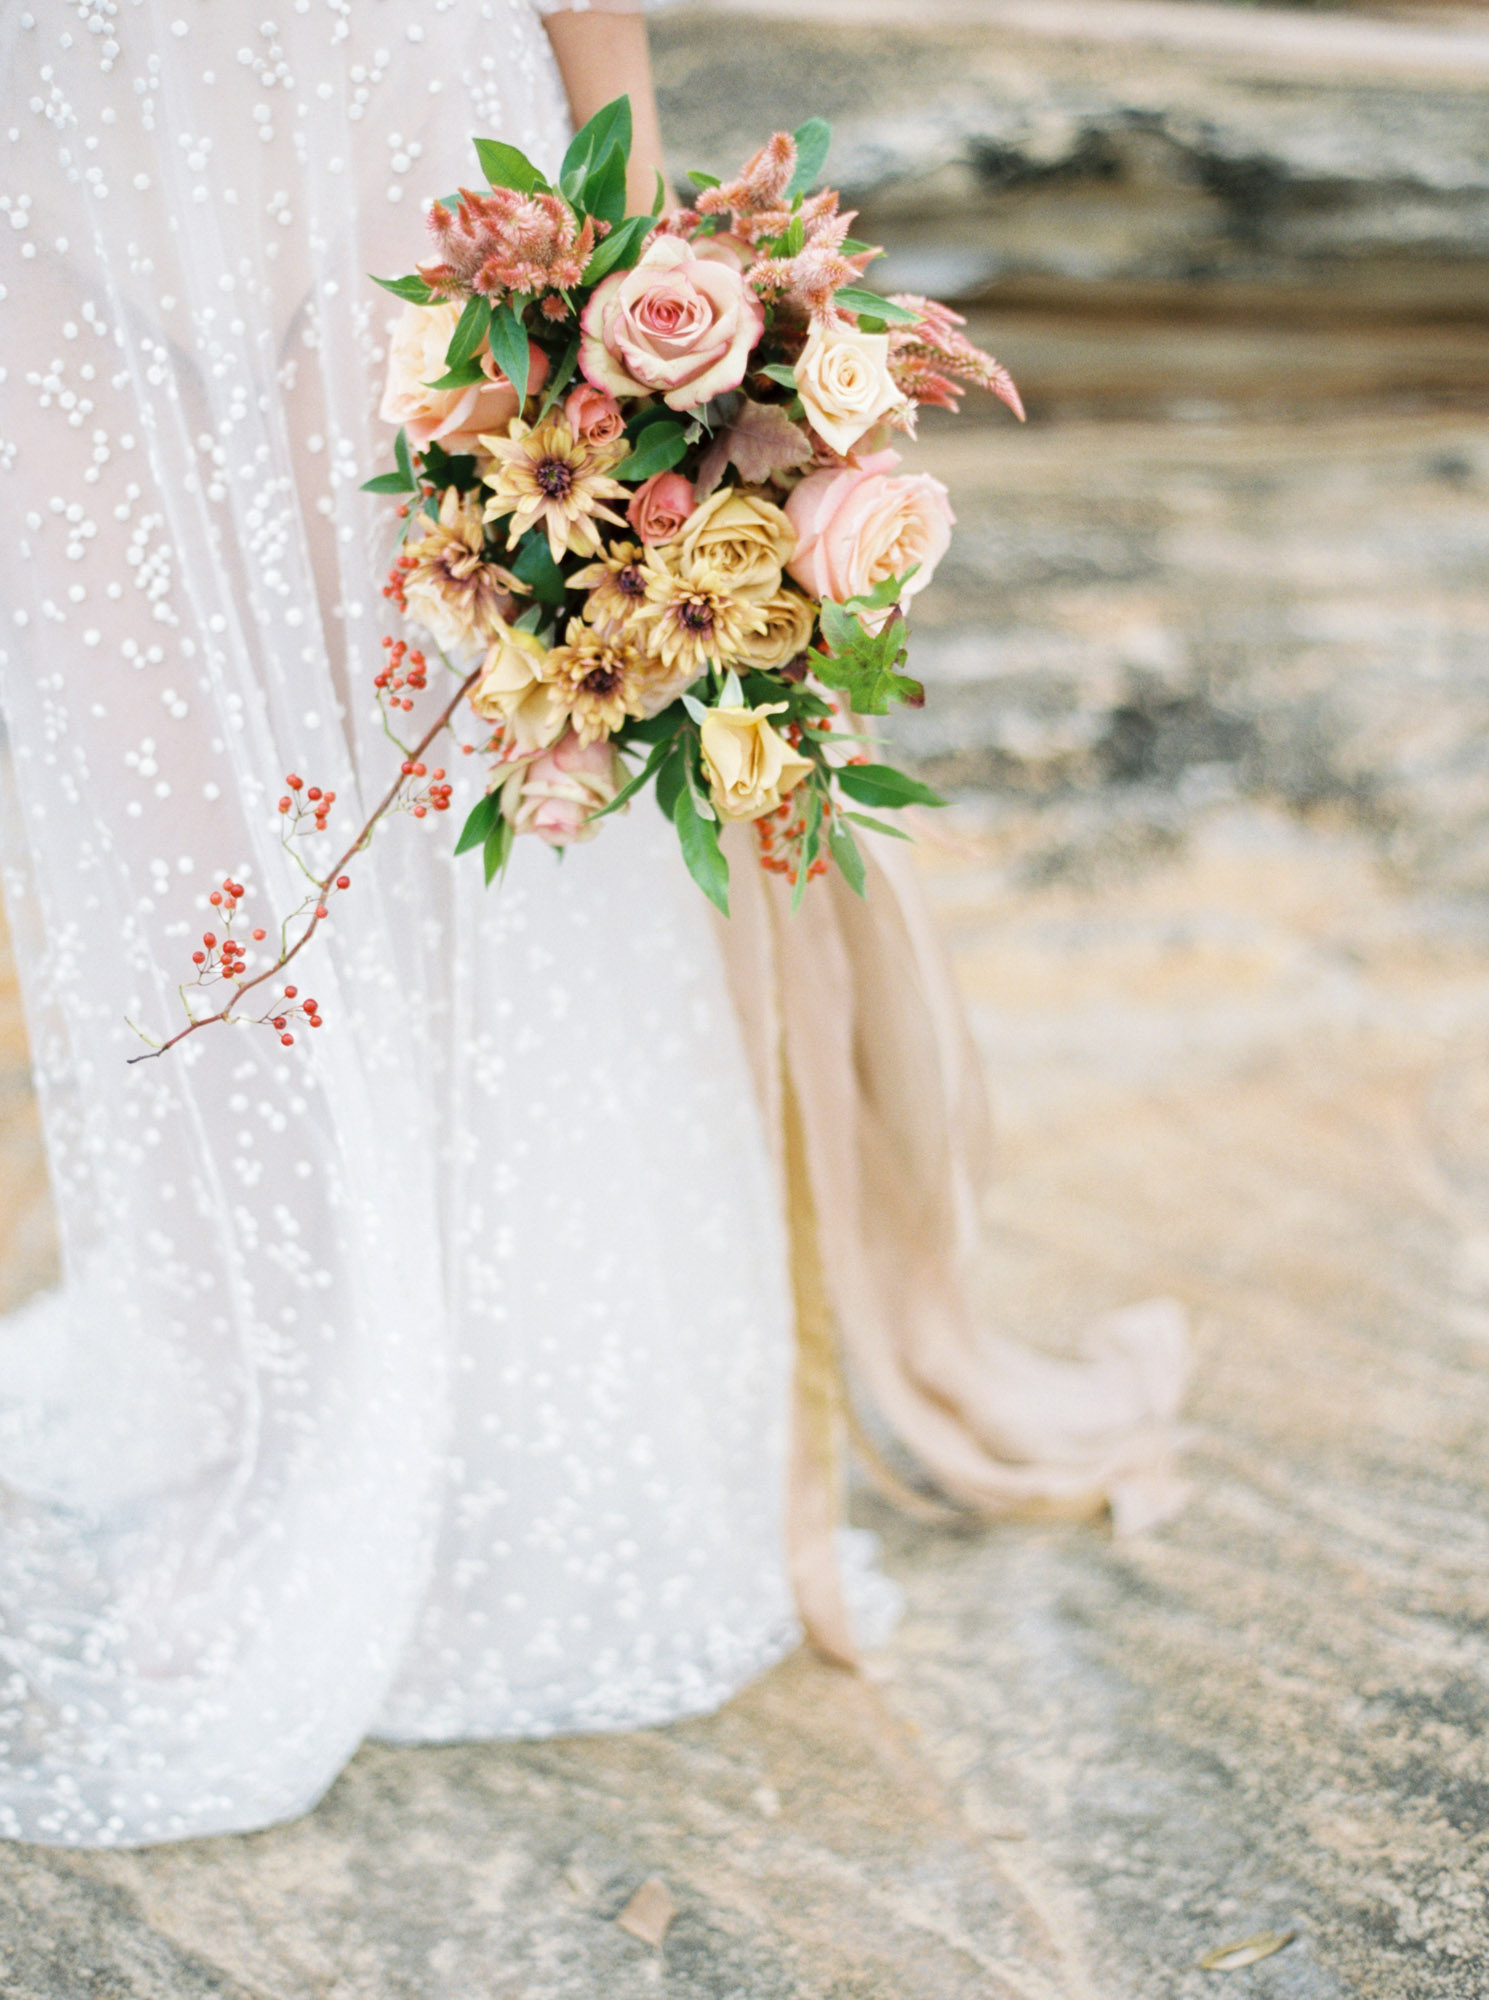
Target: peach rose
593 415
844 383
862 524
453 418
556 794
677 324
749 765
660 506
513 690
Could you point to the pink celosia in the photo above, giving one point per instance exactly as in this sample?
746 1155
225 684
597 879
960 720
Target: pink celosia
808 281
762 181
503 241
924 357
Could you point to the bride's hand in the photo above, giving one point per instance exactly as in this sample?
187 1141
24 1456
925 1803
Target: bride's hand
602 53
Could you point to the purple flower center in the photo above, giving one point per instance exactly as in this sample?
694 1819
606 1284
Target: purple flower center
554 478
630 582
695 615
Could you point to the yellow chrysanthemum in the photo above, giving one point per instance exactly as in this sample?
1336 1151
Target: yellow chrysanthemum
547 475
598 678
690 617
616 586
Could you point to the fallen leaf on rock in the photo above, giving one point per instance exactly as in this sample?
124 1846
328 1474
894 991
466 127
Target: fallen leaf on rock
1246 1951
650 1912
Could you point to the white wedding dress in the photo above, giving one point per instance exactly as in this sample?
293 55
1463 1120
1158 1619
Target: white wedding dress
430 1378
433 1378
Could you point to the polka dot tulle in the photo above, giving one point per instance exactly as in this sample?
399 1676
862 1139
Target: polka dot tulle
429 1378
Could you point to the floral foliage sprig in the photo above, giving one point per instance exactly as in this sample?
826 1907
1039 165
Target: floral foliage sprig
652 522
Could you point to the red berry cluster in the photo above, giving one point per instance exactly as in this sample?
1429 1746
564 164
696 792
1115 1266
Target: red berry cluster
224 956
425 799
405 669
297 1009
316 805
780 835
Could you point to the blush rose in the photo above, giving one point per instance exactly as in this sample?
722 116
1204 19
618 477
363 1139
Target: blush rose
860 525
556 795
593 415
660 507
452 418
677 325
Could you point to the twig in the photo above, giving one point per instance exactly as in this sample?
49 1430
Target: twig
325 885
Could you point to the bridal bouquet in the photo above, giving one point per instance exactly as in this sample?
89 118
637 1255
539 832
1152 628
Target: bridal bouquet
651 520
645 472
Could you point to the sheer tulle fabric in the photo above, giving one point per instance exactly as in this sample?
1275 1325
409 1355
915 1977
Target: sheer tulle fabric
429 1377
432 1378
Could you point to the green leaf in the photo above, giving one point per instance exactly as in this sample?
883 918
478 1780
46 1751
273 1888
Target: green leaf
403 456
479 822
883 785
844 850
859 299
444 468
852 246
605 187
560 379
699 839
413 289
672 777
505 167
535 567
659 199
619 249
865 664
509 348
464 377
497 848
812 142
702 180
658 450
388 482
633 785
778 371
811 840
794 240
469 336
888 590
877 825
610 126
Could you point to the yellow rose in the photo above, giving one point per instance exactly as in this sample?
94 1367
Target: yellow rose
844 383
745 541
750 765
789 618
514 691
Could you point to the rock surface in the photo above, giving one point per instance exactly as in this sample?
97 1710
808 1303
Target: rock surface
1251 1074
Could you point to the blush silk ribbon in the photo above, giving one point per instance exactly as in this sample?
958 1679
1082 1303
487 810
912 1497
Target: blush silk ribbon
872 1096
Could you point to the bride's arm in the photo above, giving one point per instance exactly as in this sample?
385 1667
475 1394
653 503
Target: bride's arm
602 53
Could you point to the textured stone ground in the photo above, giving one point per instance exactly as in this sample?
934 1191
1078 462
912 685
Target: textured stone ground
1210 659
1253 1073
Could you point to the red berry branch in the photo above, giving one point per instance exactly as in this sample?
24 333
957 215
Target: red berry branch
221 958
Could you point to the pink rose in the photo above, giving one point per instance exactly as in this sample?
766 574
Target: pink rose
863 523
660 507
724 248
555 795
593 415
453 418
678 324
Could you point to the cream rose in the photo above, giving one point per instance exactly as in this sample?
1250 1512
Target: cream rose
513 691
557 794
453 418
750 765
677 324
844 383
789 618
746 542
862 524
